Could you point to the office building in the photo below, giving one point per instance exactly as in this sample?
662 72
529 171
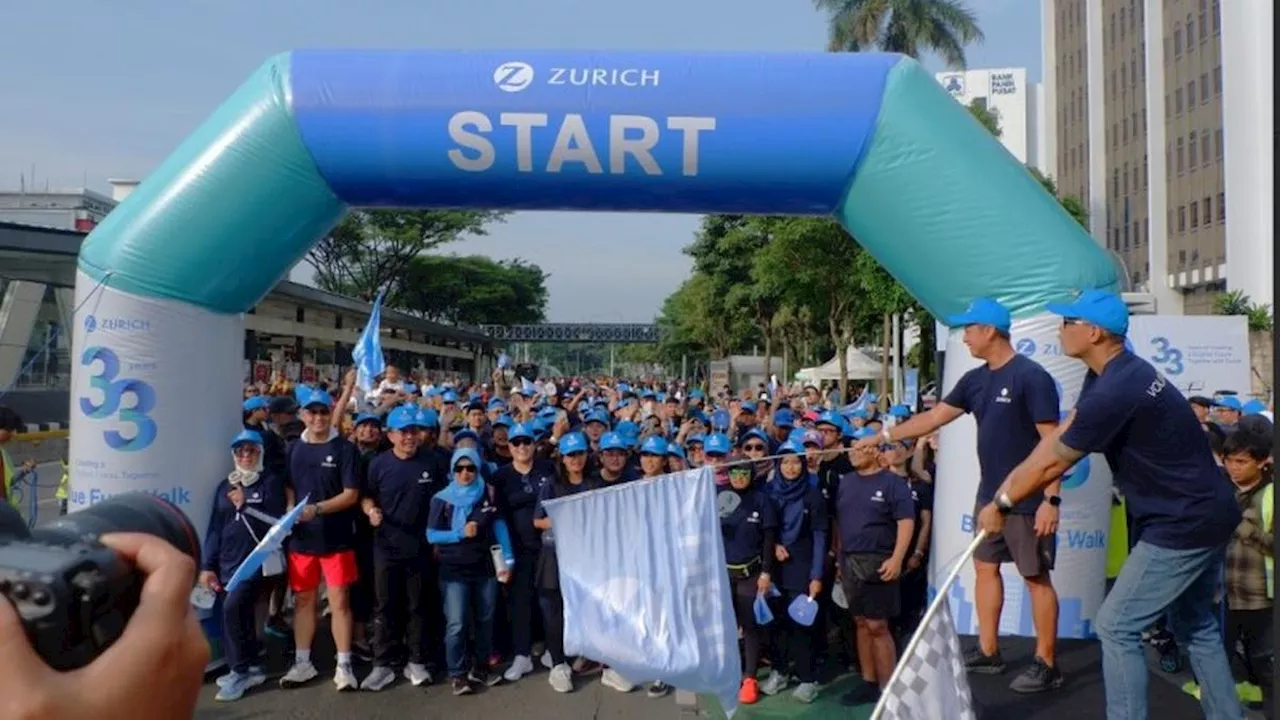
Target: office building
1017 104
1158 114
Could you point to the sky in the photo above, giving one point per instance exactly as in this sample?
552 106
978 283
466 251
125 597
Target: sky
98 89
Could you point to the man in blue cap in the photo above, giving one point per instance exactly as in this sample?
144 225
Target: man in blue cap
1015 403
1184 512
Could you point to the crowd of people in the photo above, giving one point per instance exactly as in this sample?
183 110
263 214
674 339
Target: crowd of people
425 524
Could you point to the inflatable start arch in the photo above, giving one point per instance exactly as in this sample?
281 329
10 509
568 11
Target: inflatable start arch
871 139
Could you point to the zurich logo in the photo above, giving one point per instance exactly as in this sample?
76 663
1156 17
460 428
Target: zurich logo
513 76
90 323
1026 346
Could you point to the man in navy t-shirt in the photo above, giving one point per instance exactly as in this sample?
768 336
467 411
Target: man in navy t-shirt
1015 403
322 468
1184 512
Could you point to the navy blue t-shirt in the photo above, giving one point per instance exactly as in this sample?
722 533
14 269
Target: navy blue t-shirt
868 508
745 515
553 489
469 557
521 494
922 495
1006 403
230 538
1159 456
629 474
402 489
322 471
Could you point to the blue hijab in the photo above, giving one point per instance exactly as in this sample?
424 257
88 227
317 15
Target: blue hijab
789 496
463 497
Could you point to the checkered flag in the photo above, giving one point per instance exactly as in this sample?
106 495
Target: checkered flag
930 681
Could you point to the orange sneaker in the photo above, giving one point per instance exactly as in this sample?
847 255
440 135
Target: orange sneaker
749 693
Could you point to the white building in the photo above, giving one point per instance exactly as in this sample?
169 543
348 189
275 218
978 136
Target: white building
1019 105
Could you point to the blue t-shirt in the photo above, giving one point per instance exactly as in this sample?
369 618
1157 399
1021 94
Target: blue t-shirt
868 508
322 471
1159 456
521 494
745 515
1007 403
232 535
468 557
402 489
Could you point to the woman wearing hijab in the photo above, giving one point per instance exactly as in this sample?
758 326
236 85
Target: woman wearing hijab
245 505
465 521
801 561
572 479
749 526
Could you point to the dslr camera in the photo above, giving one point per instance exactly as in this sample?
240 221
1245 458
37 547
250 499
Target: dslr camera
75 595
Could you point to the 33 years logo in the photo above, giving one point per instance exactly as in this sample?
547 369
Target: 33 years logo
114 389
1167 358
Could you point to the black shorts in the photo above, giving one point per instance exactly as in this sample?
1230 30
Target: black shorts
1018 544
869 597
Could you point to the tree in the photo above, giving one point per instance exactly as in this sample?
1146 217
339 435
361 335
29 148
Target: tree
694 322
473 290
370 250
910 27
1235 302
987 115
725 250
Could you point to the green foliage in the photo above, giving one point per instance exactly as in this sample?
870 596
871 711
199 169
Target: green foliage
988 116
473 290
910 27
371 249
1235 302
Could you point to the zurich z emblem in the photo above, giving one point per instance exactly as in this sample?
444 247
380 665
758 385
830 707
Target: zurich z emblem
90 323
513 76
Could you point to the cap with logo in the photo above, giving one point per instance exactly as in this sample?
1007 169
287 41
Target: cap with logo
573 443
717 444
246 437
520 430
363 418
654 445
614 441
317 397
983 311
403 418
1102 309
790 447
784 418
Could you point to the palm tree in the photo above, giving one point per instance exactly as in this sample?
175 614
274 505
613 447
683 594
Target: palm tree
910 27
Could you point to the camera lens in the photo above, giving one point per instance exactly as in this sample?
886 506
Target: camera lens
136 512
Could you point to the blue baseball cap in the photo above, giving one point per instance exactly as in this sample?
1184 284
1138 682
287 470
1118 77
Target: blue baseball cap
614 441
654 445
830 418
363 418
756 433
317 397
520 430
504 421
790 447
748 406
694 440
900 411
983 311
246 436
1100 308
717 444
464 434
784 418
1230 402
861 433
1254 407
674 450
403 418
257 402
429 419
573 442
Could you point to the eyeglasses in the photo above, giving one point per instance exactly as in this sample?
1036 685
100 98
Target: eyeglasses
579 455
464 468
520 441
753 447
1074 321
246 450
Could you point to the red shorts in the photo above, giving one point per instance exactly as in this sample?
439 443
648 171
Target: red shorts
304 570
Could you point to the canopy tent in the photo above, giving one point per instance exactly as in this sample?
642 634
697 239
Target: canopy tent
860 367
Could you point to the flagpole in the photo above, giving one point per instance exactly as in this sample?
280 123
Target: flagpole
924 622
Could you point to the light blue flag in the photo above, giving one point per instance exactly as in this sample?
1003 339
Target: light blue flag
367 354
643 578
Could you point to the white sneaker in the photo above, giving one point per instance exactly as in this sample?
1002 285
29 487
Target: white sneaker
774 684
417 674
806 692
300 674
547 662
611 678
561 678
344 678
520 667
380 677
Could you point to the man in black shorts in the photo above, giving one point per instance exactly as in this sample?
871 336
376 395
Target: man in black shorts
1015 403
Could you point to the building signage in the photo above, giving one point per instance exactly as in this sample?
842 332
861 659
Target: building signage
1003 83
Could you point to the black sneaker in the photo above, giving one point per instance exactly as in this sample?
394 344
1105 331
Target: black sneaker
657 689
461 686
979 662
1038 677
482 676
864 694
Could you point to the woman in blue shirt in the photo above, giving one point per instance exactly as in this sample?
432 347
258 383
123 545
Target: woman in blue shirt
801 553
245 505
749 525
464 523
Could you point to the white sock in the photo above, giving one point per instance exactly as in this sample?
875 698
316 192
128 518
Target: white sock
302 656
344 658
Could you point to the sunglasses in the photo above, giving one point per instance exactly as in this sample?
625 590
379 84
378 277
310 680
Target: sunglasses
520 441
579 455
753 447
464 468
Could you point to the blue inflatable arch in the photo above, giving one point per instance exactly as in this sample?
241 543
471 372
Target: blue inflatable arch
871 139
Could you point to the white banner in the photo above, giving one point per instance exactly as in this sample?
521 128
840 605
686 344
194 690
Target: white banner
1200 354
1080 571
155 395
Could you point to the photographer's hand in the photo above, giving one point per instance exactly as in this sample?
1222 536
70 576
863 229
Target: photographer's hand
154 670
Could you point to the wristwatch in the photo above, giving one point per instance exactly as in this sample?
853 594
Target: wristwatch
1004 503
1054 500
